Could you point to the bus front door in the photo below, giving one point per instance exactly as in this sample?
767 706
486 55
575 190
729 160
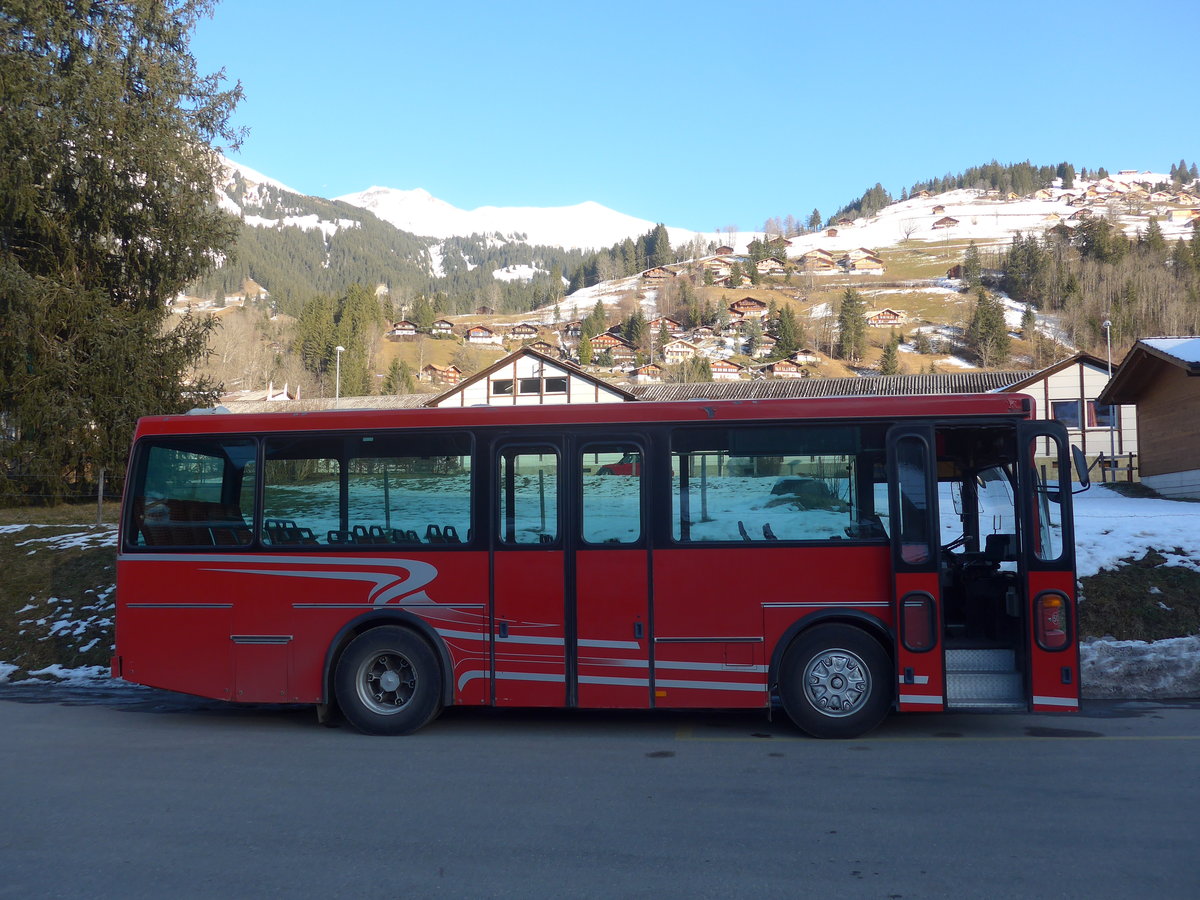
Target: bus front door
1048 567
916 592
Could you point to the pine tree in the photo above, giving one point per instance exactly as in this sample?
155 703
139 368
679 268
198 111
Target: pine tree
972 268
787 333
108 213
585 351
814 221
1028 322
852 327
889 363
987 333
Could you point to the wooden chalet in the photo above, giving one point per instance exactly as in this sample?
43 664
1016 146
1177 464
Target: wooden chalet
656 325
945 222
608 341
885 318
571 329
441 374
939 210
725 250
782 368
805 357
724 370
484 311
869 265
659 273
679 350
403 328
650 373
522 332
481 334
544 348
1160 377
442 326
749 307
831 232
770 266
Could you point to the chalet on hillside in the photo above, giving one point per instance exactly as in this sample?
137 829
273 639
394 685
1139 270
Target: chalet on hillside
441 374
544 348
766 346
945 222
659 273
650 373
724 370
403 328
805 357
831 232
484 311
522 332
770 266
481 334
656 325
885 317
920 195
679 350
1043 194
844 222
571 329
939 210
442 326
749 307
725 250
866 265
607 341
782 368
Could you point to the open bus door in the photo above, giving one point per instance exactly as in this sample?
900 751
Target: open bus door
1047 568
916 592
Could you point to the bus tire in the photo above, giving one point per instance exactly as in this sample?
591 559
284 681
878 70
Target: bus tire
836 682
388 681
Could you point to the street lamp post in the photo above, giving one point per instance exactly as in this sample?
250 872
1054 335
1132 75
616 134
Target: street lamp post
337 377
1112 419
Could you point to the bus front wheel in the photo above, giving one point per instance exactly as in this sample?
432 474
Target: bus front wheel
388 681
836 682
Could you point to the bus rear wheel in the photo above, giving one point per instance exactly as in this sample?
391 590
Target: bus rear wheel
388 681
835 682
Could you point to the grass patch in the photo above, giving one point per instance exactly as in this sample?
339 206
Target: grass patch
78 514
1143 600
57 596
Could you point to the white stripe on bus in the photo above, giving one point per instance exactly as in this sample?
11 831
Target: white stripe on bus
1056 701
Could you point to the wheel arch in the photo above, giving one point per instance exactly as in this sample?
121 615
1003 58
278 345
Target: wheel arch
870 624
374 619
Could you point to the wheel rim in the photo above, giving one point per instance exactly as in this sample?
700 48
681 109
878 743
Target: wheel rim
386 682
837 683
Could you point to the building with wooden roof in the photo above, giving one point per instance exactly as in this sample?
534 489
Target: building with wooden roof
1161 378
526 378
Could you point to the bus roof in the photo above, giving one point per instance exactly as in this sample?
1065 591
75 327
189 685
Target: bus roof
683 411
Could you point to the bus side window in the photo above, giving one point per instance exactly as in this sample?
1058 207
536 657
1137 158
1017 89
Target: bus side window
528 501
612 494
197 492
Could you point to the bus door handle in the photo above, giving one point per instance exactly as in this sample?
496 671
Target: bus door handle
503 629
637 630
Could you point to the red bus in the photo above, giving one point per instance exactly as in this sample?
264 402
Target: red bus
841 557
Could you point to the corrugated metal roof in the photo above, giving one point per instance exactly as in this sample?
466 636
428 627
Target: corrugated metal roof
875 386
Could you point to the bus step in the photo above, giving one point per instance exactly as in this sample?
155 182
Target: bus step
981 660
984 688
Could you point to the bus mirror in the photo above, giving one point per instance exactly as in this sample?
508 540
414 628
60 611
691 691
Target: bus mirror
1081 468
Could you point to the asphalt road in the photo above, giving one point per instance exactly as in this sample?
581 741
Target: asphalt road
144 794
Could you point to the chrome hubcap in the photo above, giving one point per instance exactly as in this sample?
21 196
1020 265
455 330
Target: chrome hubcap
386 682
836 682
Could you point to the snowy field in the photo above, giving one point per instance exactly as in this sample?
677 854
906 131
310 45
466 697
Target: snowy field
1109 528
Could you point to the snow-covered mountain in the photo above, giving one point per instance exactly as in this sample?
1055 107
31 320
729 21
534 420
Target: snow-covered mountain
585 225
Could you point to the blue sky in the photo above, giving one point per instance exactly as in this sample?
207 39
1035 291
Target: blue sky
697 114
